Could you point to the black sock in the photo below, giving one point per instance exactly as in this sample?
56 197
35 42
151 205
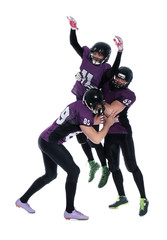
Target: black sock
101 154
118 179
138 177
70 195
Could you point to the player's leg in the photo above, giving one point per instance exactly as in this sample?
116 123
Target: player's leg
94 166
50 174
101 155
61 156
112 149
105 170
128 151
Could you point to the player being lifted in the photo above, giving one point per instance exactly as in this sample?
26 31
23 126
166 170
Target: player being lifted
93 69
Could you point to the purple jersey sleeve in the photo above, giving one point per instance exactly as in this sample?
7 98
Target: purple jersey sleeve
127 97
84 115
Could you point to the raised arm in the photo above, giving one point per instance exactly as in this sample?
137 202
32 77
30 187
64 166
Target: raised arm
112 71
73 37
119 43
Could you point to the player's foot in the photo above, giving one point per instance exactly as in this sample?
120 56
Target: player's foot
143 206
93 169
104 177
75 215
25 206
122 200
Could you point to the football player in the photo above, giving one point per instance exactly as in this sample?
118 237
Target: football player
93 69
119 137
76 117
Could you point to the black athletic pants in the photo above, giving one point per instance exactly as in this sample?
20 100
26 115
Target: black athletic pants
112 145
56 154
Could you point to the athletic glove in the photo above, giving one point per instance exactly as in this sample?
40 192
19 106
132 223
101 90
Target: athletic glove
73 23
119 43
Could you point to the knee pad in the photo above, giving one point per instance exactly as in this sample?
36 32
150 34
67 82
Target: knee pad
82 139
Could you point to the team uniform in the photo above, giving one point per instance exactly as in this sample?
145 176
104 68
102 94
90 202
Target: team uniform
119 137
67 125
120 134
127 98
92 75
54 153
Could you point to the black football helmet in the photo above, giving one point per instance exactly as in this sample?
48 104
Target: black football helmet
123 73
92 99
101 48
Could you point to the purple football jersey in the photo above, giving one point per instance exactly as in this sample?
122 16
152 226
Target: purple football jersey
68 124
126 97
91 74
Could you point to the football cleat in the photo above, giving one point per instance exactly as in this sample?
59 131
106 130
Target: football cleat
122 200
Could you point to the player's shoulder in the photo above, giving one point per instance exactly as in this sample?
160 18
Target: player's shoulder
130 92
86 49
84 115
107 66
80 107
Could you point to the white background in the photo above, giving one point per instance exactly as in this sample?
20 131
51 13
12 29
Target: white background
37 68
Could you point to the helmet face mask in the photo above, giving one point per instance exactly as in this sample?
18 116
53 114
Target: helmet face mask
96 60
101 48
98 108
122 78
119 82
94 100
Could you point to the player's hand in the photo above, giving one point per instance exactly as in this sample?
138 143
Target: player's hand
99 119
119 43
73 23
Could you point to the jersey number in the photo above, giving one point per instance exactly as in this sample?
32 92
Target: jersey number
63 116
86 77
86 121
127 102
